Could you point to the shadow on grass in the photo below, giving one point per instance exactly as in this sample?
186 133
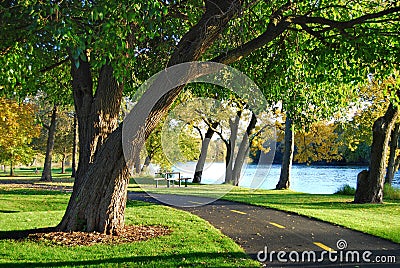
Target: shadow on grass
22 234
176 260
9 211
26 191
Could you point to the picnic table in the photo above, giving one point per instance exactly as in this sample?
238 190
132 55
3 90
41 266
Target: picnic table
168 176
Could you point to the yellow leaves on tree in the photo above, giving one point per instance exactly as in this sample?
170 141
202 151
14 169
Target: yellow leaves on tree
17 128
319 143
375 98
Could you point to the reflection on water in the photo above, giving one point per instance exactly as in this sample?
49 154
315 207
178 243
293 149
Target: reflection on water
308 179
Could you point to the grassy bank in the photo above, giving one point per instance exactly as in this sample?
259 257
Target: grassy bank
192 242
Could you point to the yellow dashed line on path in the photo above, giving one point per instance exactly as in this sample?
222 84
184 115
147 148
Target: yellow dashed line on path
277 225
318 244
239 212
194 202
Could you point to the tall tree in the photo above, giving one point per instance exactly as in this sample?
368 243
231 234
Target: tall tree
18 127
51 133
394 159
370 182
284 177
101 45
64 138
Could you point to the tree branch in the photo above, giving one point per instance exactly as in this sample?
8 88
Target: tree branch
55 65
341 25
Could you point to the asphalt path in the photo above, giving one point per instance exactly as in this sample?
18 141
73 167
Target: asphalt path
281 239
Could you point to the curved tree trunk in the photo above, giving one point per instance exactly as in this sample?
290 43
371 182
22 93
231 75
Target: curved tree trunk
46 174
100 203
203 153
391 168
287 161
100 189
230 147
370 183
243 151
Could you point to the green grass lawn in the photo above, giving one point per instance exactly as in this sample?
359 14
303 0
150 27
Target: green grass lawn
381 220
193 242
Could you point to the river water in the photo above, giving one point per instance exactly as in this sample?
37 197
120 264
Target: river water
307 179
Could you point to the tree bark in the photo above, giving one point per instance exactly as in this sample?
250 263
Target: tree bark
64 157
146 163
99 195
391 168
46 174
203 153
11 167
74 146
287 161
230 147
97 113
370 183
243 151
100 203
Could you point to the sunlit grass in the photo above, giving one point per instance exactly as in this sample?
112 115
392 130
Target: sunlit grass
377 219
192 242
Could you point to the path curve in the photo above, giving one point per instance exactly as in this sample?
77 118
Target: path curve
259 229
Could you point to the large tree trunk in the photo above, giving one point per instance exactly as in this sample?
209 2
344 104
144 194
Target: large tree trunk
46 174
100 203
243 151
97 113
391 168
97 117
203 153
74 146
231 146
287 161
100 190
370 183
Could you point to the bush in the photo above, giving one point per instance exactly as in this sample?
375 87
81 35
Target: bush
390 192
346 190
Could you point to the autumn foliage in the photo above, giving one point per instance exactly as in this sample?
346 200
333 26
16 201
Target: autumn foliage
17 129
